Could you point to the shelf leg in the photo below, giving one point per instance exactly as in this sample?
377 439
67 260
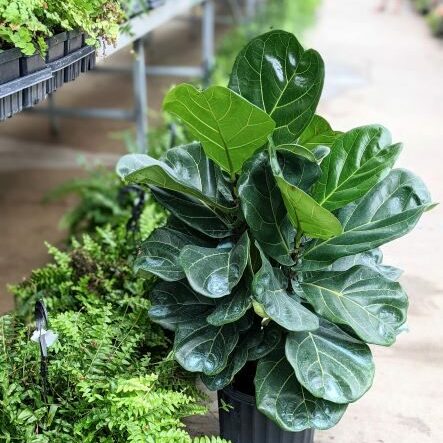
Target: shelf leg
140 96
251 9
54 122
208 39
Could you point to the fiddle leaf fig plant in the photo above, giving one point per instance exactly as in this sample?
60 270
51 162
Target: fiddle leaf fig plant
270 253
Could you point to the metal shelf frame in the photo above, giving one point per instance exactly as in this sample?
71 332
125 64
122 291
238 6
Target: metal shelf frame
140 27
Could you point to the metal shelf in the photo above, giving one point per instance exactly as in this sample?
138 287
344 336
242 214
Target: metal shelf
140 26
143 24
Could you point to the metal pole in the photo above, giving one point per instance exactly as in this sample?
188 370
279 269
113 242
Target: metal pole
140 96
251 6
54 123
208 38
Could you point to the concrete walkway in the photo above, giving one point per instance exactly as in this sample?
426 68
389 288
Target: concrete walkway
386 68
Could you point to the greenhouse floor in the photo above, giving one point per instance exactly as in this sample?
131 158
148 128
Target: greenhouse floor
382 68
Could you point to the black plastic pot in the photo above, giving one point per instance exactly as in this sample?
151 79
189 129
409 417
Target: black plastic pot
35 93
10 100
74 42
9 65
56 51
244 423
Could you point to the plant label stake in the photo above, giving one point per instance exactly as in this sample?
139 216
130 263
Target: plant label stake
45 339
137 208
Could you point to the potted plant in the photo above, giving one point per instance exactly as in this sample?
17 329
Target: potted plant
270 271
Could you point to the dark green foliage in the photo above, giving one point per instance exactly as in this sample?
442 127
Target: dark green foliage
98 201
102 201
286 272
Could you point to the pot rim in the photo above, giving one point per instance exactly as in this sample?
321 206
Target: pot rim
9 55
238 395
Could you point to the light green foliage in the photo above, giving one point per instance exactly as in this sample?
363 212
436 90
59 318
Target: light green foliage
22 25
26 23
103 384
435 20
110 375
236 127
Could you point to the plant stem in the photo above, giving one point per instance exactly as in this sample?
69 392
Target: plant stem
298 238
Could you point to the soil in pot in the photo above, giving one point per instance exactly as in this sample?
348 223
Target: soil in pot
242 422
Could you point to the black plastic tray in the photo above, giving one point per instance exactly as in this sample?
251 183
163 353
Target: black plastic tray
11 93
33 87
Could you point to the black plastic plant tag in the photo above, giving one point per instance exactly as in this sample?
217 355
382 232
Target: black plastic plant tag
138 204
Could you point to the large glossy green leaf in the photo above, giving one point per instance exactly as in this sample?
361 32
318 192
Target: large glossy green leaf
330 364
299 150
264 340
201 347
174 303
358 160
229 127
194 213
298 171
372 259
185 169
304 212
274 72
373 306
232 307
159 253
214 272
391 209
248 341
264 209
318 133
284 400
269 289
236 362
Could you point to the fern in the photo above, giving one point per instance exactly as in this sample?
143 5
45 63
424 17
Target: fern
104 384
110 374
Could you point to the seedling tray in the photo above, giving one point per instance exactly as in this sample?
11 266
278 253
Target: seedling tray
71 65
36 93
9 65
56 51
28 80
